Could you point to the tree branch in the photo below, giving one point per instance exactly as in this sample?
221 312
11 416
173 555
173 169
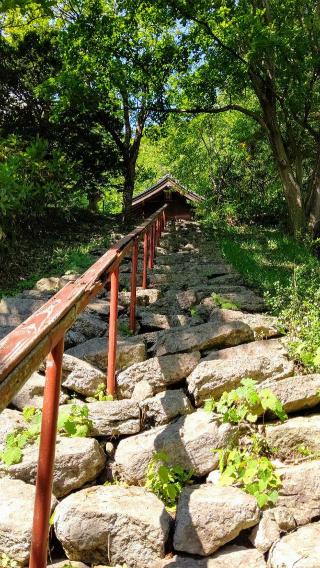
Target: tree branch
208 110
105 120
205 25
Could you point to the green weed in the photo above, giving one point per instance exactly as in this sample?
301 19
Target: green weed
101 394
245 403
287 273
224 303
165 480
255 474
73 424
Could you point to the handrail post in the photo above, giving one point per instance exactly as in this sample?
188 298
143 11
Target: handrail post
133 286
154 241
42 505
113 331
145 261
150 259
150 247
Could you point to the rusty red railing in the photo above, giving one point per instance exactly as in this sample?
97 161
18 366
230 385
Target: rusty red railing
42 335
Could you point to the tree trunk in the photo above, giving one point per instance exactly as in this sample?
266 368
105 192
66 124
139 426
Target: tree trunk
291 187
93 202
129 177
313 212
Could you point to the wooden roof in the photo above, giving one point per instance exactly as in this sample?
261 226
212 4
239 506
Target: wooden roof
166 182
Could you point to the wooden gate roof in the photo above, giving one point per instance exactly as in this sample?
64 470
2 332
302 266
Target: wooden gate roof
166 182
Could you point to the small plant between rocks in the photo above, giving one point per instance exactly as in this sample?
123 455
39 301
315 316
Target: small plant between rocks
253 473
123 328
7 562
224 303
245 403
248 465
101 394
18 439
73 424
166 481
76 423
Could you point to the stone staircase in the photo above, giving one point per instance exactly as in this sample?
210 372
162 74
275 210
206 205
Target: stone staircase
187 349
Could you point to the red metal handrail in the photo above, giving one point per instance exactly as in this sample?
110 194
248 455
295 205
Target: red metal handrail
42 335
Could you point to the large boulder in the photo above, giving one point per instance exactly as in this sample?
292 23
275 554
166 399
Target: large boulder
208 517
151 321
203 336
16 515
31 394
77 461
263 326
94 351
266 532
81 377
113 524
300 490
188 442
101 308
298 392
227 557
181 300
241 296
288 437
144 297
159 372
300 549
223 370
165 406
112 417
89 325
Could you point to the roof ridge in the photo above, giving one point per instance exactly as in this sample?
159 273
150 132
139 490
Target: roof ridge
160 181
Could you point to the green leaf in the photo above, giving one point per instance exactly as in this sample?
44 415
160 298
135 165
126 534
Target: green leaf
11 455
209 405
252 417
262 499
273 497
163 473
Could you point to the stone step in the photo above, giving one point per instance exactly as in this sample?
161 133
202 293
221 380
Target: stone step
187 442
223 370
113 525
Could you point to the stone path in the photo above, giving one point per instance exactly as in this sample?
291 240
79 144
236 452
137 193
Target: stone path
187 348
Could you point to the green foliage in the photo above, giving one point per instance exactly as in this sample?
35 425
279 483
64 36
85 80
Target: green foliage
165 480
7 562
253 473
17 440
194 312
221 157
123 328
101 394
76 423
288 274
299 308
56 255
34 181
304 450
223 303
245 403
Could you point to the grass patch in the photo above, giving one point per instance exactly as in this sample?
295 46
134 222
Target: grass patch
287 274
265 257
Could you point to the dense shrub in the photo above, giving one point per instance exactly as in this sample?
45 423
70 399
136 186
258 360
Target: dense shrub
33 181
